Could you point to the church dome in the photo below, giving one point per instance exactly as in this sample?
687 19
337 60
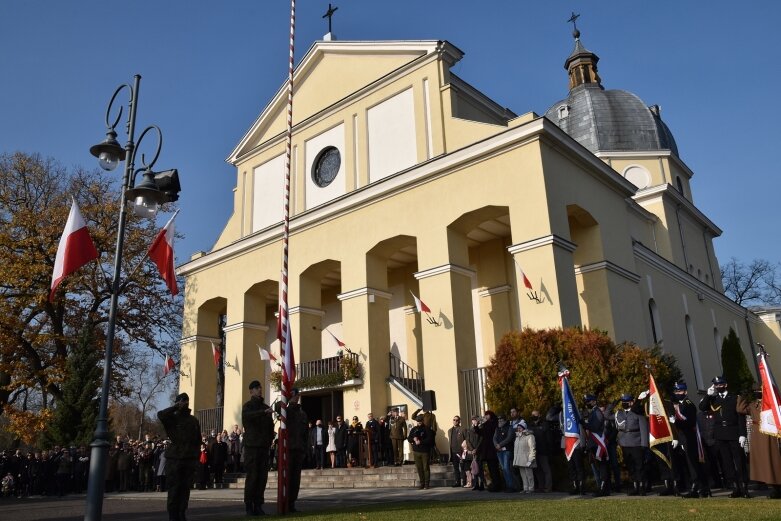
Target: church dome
606 120
611 120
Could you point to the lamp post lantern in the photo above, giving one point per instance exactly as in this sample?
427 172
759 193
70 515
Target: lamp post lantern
146 198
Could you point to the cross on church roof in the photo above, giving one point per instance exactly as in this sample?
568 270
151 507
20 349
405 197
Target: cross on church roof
329 14
574 20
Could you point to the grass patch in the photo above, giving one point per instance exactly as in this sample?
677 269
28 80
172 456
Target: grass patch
673 509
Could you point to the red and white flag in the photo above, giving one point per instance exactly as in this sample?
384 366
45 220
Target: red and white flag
601 452
162 254
266 355
286 348
75 249
526 281
770 414
168 365
420 305
338 342
216 354
659 430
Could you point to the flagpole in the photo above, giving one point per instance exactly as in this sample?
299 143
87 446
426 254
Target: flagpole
283 472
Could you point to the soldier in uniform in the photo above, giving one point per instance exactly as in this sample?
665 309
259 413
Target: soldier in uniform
594 423
730 434
184 431
398 433
258 423
421 438
298 438
684 418
632 427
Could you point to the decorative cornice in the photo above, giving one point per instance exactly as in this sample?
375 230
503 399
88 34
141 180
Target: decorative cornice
651 258
365 291
199 338
540 242
303 310
245 325
445 268
487 292
416 175
609 266
666 190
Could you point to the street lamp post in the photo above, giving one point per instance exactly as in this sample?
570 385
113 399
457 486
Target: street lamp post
146 197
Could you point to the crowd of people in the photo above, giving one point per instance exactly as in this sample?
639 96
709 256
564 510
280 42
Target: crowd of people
708 447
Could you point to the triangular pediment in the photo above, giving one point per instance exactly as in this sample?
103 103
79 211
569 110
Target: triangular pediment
329 72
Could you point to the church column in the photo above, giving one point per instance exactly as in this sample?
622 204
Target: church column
198 376
242 365
548 264
306 324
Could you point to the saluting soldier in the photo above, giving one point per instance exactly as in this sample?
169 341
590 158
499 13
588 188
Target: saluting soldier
730 434
184 431
632 427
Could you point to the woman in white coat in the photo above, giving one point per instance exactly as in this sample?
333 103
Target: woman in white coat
525 455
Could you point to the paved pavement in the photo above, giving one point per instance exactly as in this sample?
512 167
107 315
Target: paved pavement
228 503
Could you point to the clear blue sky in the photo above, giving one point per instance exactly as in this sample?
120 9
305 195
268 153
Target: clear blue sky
209 68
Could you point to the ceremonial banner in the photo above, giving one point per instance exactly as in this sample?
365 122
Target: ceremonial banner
770 415
659 430
571 418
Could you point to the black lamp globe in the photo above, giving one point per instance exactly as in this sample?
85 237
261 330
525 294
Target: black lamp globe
109 152
146 197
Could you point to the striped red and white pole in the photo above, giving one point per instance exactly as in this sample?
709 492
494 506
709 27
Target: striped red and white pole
283 475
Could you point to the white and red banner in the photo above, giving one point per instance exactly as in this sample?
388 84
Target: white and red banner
770 414
601 452
420 305
162 254
526 281
659 430
168 365
216 354
338 342
75 249
266 355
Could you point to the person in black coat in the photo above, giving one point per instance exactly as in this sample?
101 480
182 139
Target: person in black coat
340 440
184 431
729 431
487 450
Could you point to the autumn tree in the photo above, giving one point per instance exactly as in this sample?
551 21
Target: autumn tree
145 383
523 371
35 197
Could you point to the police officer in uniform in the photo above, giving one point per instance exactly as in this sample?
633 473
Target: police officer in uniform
684 418
730 434
184 431
632 427
256 417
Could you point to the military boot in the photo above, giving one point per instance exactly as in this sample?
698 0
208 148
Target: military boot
603 490
668 489
574 490
635 491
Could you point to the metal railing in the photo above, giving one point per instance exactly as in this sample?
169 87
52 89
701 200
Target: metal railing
406 376
323 365
210 419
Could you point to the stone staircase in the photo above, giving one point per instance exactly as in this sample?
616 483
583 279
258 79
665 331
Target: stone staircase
381 477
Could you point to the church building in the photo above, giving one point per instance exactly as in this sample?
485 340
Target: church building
406 182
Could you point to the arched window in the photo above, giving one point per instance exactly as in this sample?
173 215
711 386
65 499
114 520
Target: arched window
679 184
695 354
656 323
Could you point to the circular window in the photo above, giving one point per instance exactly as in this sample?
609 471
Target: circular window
326 166
638 176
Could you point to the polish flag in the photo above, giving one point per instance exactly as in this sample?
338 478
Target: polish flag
168 365
420 305
526 281
216 355
266 355
162 254
770 415
75 249
338 342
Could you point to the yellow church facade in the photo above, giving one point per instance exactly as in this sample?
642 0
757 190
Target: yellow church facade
407 180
